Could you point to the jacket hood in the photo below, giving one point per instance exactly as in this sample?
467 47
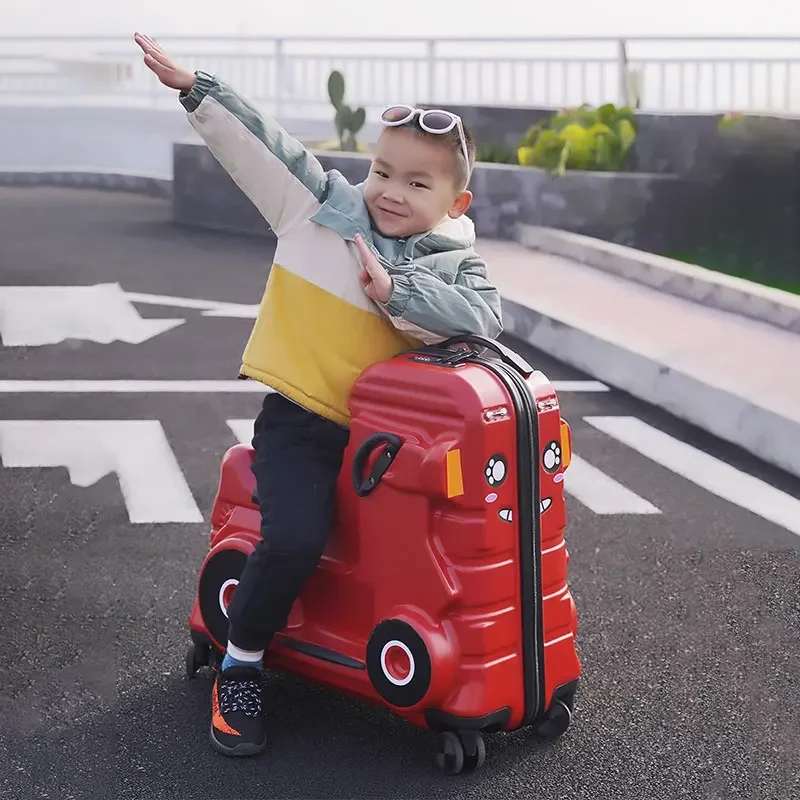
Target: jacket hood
449 234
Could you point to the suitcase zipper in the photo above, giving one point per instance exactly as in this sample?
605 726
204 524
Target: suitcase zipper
530 536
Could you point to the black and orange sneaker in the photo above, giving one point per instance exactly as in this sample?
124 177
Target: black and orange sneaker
237 717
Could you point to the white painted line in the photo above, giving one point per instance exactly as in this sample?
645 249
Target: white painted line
235 311
601 493
174 302
150 478
125 387
32 316
580 386
242 430
188 386
210 308
711 473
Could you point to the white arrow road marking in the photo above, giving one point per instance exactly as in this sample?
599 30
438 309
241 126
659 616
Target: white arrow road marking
32 316
150 477
231 310
711 473
601 493
210 308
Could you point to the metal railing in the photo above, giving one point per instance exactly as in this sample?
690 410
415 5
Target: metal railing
288 76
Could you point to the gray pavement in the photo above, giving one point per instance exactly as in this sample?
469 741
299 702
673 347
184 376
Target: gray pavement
689 618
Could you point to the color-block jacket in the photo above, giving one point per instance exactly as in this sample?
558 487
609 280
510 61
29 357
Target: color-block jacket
316 329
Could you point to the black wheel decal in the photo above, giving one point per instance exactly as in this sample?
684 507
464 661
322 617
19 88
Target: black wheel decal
222 569
393 637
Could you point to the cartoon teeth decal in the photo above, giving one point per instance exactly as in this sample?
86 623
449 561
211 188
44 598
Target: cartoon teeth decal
506 514
496 470
551 457
544 504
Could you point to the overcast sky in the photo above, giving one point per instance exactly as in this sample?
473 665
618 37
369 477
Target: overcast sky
401 17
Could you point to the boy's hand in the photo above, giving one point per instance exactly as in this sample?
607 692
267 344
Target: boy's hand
377 282
169 73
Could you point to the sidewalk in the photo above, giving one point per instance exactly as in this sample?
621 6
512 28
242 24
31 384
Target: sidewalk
735 377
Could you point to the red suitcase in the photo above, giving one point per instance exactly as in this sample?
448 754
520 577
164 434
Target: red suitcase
443 592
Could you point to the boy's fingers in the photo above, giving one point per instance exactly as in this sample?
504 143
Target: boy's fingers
162 73
163 60
144 39
373 268
160 56
154 64
151 49
370 263
144 43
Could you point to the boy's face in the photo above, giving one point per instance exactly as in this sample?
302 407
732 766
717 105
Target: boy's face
411 185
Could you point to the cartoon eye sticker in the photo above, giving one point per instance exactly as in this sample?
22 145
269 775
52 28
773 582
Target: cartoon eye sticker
551 457
496 470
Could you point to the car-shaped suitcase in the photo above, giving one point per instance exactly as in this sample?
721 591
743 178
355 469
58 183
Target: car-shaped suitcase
443 591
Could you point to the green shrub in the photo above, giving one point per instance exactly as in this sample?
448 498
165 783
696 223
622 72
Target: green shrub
347 121
580 138
495 153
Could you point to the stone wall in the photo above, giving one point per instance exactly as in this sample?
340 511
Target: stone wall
634 209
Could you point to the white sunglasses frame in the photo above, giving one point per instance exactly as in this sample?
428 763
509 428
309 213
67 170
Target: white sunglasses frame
455 122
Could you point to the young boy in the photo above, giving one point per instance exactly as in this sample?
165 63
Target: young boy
360 273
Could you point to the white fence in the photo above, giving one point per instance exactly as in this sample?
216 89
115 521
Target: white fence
288 76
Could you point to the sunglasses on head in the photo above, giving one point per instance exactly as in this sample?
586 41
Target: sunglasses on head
431 120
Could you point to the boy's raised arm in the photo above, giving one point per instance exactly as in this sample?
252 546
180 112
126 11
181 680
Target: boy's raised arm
280 176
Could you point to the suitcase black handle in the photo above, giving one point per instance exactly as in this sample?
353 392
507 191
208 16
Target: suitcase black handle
507 355
364 486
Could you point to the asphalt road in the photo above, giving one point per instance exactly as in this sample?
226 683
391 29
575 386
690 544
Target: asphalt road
689 619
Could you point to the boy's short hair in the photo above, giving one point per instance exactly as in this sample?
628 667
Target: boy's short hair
452 140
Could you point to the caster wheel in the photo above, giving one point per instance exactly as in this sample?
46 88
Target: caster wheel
556 722
196 657
449 753
474 750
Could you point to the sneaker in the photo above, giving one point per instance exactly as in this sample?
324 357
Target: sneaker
237 718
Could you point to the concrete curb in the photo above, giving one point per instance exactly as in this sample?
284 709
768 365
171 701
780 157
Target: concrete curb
764 433
89 179
704 286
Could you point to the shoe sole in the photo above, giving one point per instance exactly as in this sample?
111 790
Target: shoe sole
240 750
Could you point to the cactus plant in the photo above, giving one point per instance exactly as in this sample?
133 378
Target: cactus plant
348 122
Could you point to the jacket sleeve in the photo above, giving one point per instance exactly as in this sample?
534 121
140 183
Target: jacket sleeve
429 309
276 172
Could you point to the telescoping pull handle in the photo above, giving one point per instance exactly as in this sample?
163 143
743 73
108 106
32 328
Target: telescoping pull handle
365 485
507 355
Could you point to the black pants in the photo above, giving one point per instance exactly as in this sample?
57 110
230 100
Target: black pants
298 456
